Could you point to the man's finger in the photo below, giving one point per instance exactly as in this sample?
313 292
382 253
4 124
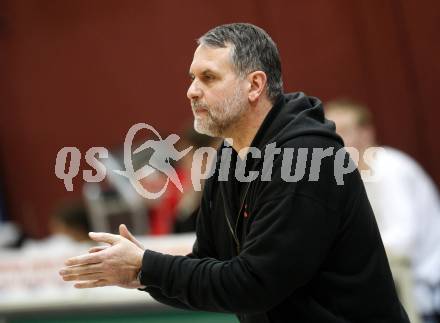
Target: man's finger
84 277
97 249
124 232
93 258
92 284
81 269
104 237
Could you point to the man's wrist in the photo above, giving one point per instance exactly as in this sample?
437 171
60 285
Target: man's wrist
139 274
139 278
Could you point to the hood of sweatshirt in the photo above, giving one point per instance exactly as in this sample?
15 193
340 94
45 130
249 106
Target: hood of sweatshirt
293 115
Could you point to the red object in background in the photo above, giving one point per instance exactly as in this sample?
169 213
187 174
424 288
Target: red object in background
163 215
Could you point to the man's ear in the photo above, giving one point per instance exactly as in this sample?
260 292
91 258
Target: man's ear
257 81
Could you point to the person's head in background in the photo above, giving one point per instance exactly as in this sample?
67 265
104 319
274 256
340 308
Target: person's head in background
354 123
71 219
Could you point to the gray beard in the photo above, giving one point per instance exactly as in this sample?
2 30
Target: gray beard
221 117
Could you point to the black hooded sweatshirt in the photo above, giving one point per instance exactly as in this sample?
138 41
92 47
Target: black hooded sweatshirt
304 250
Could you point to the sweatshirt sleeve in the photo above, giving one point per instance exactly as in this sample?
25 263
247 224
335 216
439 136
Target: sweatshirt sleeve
158 295
200 250
286 244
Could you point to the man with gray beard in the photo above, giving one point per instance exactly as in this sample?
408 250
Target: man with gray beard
266 250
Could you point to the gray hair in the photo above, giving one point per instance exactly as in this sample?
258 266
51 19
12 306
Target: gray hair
252 50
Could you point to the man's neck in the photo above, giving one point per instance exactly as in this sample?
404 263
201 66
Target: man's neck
244 131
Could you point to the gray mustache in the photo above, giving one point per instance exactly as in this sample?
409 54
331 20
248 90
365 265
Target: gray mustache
198 105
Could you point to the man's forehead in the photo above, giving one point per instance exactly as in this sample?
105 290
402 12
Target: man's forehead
211 58
342 117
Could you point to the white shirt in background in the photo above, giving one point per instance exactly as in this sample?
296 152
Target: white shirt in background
407 208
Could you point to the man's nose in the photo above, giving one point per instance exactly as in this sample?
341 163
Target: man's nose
194 91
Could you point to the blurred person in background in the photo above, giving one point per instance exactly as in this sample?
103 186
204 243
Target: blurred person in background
71 220
69 226
405 202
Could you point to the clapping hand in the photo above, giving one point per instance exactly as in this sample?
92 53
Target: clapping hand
117 264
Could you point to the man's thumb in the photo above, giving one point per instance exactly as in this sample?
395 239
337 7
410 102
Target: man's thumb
123 231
